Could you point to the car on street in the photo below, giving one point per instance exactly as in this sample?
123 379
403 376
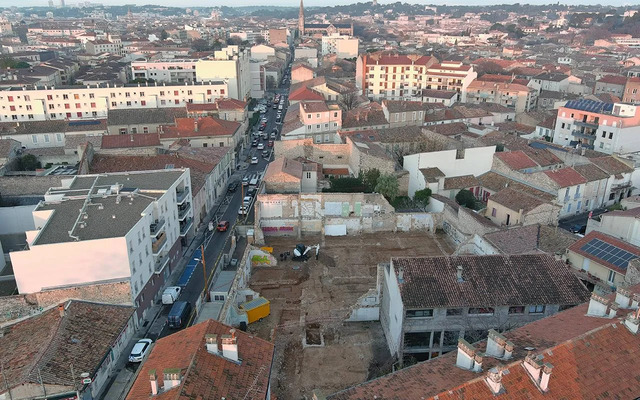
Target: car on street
275 105
272 136
140 350
254 143
246 201
578 228
261 127
254 160
251 191
171 294
223 226
270 144
245 181
278 118
233 186
275 131
261 146
265 153
243 210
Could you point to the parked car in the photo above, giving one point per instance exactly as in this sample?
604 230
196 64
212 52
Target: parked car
275 131
273 136
251 191
243 210
270 144
233 187
140 350
245 181
278 118
254 143
261 146
261 127
246 201
223 226
578 228
265 153
171 294
254 160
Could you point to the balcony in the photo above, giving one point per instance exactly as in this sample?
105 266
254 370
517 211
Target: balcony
587 124
157 227
185 226
620 186
183 210
158 244
161 262
181 196
584 135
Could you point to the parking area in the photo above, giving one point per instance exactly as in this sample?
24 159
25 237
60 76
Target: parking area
310 301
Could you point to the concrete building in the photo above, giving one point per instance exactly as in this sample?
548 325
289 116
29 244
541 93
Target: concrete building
632 90
341 46
622 224
451 76
512 95
512 207
428 304
127 227
602 261
122 122
610 84
292 176
232 65
73 338
104 46
91 102
315 119
175 70
605 127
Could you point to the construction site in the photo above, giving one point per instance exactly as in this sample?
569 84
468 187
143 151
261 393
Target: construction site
312 300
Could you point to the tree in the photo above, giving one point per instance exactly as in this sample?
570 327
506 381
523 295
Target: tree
200 45
348 101
28 162
259 40
388 187
466 198
8 62
164 35
370 179
421 197
346 185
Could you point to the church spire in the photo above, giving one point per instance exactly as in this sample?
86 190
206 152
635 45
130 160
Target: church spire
301 19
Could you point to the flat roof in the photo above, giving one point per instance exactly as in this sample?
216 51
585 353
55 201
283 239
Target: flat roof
144 181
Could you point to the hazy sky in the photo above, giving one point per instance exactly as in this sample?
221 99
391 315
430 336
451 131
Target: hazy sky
209 3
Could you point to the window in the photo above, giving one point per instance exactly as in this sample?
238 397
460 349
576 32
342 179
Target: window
49 97
454 311
34 138
76 96
78 105
419 313
218 297
67 106
65 97
128 104
221 144
516 310
58 137
123 131
417 339
93 105
47 139
79 115
481 311
51 106
145 129
493 212
91 95
612 277
537 309
12 108
143 103
175 92
610 135
474 335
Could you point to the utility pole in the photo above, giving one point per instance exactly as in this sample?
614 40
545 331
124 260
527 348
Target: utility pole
204 273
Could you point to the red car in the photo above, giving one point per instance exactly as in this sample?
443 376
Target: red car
223 226
270 144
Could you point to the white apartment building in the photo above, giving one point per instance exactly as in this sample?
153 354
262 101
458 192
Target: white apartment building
606 127
126 227
90 102
166 70
230 64
104 46
403 77
341 45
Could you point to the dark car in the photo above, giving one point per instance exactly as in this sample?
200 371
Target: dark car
270 143
233 187
261 128
179 314
581 229
254 143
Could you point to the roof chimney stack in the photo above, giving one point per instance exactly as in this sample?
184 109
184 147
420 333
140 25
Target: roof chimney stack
498 346
172 378
230 346
494 380
211 342
546 375
623 297
468 358
597 306
61 309
153 378
632 321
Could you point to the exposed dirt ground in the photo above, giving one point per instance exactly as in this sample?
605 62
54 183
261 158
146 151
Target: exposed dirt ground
310 300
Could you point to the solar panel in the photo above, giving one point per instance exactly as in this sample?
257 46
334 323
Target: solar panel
84 123
608 253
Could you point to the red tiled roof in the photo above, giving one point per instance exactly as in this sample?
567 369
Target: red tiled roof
398 59
516 160
611 165
566 177
207 126
335 171
613 79
207 376
193 107
577 248
226 103
303 93
132 140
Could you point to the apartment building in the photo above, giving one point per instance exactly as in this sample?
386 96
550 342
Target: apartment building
632 90
231 64
610 84
165 71
429 303
451 76
315 119
104 46
120 227
90 102
340 45
512 95
393 77
605 127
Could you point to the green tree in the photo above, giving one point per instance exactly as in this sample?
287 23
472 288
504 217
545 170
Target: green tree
346 185
28 162
370 179
388 187
8 62
421 197
164 35
466 198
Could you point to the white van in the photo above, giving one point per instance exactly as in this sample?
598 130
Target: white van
254 181
171 294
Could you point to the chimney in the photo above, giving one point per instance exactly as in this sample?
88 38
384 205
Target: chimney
61 309
230 346
153 378
211 342
632 321
195 125
172 378
533 365
613 310
498 346
468 358
459 269
623 297
635 301
494 380
546 374
597 306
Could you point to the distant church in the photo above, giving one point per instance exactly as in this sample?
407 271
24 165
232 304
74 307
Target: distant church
323 29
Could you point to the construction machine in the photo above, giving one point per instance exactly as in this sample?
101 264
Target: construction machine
300 253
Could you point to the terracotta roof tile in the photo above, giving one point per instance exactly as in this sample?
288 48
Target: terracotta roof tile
611 165
460 182
565 177
516 160
206 126
516 240
132 140
516 200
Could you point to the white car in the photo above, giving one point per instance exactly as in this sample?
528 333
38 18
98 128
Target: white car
261 146
243 210
254 160
246 202
140 350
